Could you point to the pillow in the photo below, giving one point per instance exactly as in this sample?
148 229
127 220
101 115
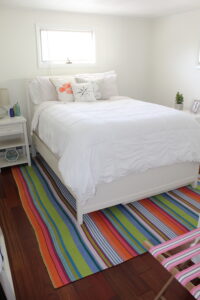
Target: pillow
64 88
95 76
83 92
106 82
41 89
109 87
96 84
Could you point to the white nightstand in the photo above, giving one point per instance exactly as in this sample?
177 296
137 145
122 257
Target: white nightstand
13 134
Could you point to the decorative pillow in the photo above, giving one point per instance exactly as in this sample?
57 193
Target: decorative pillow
106 82
83 92
96 84
64 88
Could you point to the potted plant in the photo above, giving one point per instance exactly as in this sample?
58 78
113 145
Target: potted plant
179 101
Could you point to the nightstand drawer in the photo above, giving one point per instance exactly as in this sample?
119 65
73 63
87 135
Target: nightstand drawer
9 129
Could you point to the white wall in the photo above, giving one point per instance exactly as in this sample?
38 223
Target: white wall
122 44
153 58
176 42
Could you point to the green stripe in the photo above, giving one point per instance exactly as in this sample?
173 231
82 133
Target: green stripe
123 225
76 232
174 210
67 238
36 199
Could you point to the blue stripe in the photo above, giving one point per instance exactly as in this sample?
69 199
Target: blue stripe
130 216
89 258
188 199
155 221
64 191
176 202
51 224
179 218
82 247
103 244
113 211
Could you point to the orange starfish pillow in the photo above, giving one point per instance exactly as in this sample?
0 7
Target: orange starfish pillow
64 88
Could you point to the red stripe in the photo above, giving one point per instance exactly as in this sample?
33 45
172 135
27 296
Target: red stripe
118 236
190 194
49 245
164 217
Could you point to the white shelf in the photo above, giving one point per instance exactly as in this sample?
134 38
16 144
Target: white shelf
15 120
12 143
21 160
9 127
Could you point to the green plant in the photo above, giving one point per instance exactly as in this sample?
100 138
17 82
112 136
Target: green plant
179 98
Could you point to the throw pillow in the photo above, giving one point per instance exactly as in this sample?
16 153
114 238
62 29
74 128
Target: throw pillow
64 88
83 92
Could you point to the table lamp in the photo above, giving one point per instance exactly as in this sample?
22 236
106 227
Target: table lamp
4 102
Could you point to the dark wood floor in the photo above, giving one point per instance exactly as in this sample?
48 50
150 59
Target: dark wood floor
139 278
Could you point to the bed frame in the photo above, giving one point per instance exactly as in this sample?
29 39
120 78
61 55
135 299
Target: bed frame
128 188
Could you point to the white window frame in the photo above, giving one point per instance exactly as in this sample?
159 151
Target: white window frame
43 64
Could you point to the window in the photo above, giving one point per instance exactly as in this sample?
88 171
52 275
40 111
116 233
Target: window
61 47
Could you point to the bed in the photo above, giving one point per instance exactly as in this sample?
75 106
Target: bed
122 179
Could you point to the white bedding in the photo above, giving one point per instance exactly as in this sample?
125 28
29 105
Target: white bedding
101 141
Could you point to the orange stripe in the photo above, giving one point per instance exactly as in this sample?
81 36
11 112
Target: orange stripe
112 240
164 218
57 282
190 193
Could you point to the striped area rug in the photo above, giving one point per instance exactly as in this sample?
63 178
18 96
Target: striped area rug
107 237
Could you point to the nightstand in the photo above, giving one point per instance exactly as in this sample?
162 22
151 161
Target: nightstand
13 134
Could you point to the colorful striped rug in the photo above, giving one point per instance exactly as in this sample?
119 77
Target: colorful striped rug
107 237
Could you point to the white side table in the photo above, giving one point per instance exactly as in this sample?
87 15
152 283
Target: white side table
13 134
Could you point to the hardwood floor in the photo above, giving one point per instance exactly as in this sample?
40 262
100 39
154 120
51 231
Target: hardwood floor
139 278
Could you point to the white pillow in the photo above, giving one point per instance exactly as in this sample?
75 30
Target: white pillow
109 87
95 76
63 87
41 89
83 92
106 82
96 83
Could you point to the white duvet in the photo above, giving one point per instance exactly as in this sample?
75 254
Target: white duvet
100 141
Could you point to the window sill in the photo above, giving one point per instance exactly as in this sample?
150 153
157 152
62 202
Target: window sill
66 66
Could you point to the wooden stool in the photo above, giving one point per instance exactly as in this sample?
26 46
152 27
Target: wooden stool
171 261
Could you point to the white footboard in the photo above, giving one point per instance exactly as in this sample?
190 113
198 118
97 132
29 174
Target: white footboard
128 188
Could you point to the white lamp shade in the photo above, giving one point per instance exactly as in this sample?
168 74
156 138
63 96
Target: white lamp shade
4 97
